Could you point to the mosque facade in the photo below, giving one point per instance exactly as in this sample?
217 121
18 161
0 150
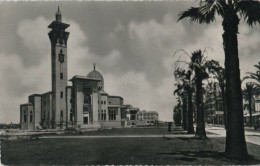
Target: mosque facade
85 104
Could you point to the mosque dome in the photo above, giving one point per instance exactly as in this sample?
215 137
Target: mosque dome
95 74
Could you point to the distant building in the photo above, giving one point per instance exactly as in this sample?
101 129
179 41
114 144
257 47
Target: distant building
147 117
214 111
255 108
85 104
140 118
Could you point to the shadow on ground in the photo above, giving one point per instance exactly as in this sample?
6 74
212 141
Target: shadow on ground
193 156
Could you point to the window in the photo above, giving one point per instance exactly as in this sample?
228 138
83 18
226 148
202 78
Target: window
112 114
87 99
61 114
71 114
61 56
31 116
104 102
24 116
61 94
85 110
85 120
61 76
70 100
103 115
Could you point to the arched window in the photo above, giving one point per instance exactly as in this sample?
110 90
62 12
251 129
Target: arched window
61 56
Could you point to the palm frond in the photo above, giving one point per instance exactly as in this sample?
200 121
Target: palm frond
249 10
194 14
205 13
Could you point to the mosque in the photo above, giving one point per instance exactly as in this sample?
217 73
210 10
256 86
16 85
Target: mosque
85 104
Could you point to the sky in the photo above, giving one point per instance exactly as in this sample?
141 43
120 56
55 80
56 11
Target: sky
132 43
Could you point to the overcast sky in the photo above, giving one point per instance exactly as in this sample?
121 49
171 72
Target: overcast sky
132 44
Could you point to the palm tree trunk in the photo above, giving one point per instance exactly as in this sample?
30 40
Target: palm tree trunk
184 113
190 113
200 129
224 105
250 108
235 138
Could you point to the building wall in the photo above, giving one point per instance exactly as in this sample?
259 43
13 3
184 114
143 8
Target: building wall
25 110
110 124
35 99
257 105
69 111
103 105
79 108
37 112
46 110
115 100
95 107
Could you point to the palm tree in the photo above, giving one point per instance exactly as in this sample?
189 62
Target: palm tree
177 112
255 77
185 77
252 88
198 65
229 10
180 91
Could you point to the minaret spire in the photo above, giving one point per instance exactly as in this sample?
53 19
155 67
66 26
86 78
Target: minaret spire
94 66
58 15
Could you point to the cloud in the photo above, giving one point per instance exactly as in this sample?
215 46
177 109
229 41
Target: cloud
17 82
34 38
139 92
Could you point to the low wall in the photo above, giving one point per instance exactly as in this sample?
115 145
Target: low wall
110 124
90 126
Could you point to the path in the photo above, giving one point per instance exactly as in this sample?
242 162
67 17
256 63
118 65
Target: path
251 137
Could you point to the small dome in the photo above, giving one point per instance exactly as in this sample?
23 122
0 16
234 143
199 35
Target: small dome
58 15
98 75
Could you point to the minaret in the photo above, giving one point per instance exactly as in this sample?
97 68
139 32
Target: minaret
59 69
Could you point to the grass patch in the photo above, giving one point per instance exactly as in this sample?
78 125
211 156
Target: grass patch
119 151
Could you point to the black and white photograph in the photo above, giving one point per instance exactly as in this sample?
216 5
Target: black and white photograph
130 82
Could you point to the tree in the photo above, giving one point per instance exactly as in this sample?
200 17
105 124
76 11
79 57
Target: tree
249 91
229 10
252 88
177 112
180 91
198 65
187 87
255 77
